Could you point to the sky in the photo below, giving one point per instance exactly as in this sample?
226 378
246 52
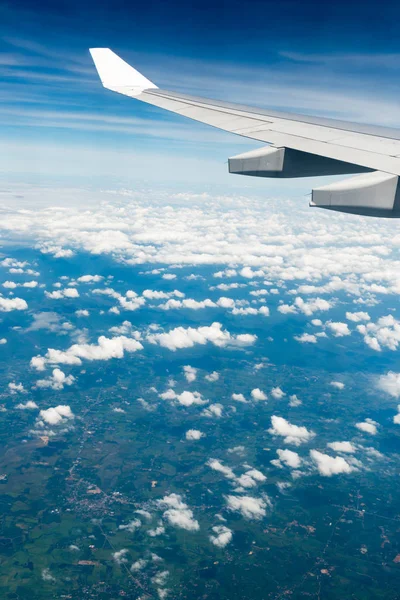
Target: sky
335 59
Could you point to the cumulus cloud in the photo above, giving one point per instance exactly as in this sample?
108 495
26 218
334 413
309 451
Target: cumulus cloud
385 333
292 434
214 410
328 466
306 338
82 313
258 394
177 513
307 308
120 556
396 418
222 536
185 398
356 317
105 349
239 398
368 426
289 458
138 565
29 405
56 415
294 401
9 304
56 381
16 388
190 373
90 278
338 329
65 293
131 526
156 531
216 465
158 295
390 383
346 447
277 393
248 506
214 376
251 478
181 337
194 434
337 384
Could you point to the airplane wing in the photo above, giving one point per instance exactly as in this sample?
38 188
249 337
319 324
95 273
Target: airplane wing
298 145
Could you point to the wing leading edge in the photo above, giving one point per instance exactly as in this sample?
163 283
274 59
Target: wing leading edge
302 146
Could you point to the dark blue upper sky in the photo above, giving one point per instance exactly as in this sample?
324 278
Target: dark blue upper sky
339 59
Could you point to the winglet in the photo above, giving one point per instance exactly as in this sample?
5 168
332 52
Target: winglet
117 75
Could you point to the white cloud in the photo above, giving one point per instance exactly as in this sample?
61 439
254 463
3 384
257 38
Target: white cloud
277 393
214 410
185 398
177 513
156 531
346 447
11 285
82 313
9 304
294 401
120 556
105 349
158 295
57 414
56 381
289 458
65 293
222 537
390 383
292 434
16 388
248 506
239 398
186 338
258 394
368 426
214 376
131 526
339 329
328 466
90 278
47 576
306 338
138 565
307 308
337 384
38 363
396 418
190 373
216 465
29 405
356 317
385 333
194 434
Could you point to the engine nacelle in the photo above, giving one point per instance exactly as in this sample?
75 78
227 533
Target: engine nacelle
284 162
372 194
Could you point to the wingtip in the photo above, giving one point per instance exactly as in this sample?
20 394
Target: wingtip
116 74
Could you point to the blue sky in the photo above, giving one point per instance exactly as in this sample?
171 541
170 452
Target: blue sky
337 60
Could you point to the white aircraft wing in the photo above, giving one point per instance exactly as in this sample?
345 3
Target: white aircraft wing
299 146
